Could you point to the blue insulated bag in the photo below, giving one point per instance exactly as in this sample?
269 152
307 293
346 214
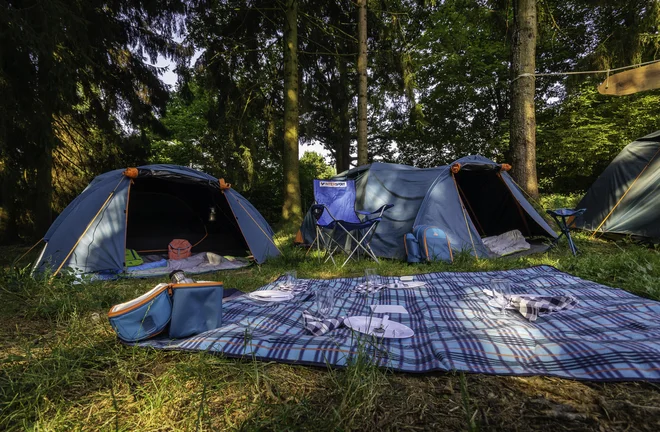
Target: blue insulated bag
412 248
433 243
188 309
196 308
143 317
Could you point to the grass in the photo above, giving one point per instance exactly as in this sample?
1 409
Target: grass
61 367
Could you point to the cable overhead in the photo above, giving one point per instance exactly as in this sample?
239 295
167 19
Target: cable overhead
607 71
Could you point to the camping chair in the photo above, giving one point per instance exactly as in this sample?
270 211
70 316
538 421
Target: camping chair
560 216
337 220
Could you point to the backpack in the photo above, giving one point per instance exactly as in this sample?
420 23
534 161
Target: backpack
179 249
428 243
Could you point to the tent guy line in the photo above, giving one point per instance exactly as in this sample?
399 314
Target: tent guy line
607 71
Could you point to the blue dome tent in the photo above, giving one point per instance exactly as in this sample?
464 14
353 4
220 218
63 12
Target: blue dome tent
144 209
470 199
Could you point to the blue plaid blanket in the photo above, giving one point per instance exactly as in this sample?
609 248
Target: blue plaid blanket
611 335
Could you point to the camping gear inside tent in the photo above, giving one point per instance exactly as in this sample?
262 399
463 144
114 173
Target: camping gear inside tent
625 199
470 199
145 209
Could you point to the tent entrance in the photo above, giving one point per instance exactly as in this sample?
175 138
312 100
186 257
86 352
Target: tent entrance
163 209
491 206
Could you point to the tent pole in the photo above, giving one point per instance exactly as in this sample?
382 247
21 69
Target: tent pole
28 251
520 210
460 191
467 225
128 199
624 194
256 223
87 229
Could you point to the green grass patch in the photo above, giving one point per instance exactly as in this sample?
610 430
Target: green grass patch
61 367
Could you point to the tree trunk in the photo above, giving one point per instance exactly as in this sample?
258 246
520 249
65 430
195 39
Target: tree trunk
343 145
9 215
292 207
523 119
44 146
44 184
362 152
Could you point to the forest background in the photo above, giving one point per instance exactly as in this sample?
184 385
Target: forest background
79 94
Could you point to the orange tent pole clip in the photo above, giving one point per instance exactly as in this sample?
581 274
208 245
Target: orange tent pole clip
131 173
224 185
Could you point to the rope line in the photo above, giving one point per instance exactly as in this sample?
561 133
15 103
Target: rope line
607 71
28 251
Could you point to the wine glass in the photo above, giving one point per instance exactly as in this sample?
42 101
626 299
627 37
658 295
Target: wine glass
325 300
501 289
289 281
290 278
372 278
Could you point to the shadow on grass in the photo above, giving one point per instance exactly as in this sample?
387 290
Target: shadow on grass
61 367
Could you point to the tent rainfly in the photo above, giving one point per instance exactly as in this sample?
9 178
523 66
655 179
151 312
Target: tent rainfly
625 199
472 198
144 209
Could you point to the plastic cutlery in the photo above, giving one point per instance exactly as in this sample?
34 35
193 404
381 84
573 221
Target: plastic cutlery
272 296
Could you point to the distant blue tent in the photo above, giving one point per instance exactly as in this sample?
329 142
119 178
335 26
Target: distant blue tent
471 198
144 209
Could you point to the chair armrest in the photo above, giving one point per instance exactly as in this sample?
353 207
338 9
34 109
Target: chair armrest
317 210
380 211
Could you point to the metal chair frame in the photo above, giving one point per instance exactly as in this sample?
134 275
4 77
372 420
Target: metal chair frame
560 216
361 241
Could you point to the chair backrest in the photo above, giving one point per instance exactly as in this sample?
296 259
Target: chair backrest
338 197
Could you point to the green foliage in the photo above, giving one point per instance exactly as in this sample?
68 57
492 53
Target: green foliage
462 79
468 410
187 129
73 75
578 138
312 166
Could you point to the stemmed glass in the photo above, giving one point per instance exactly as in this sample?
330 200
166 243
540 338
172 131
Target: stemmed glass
501 289
289 281
325 300
290 278
371 278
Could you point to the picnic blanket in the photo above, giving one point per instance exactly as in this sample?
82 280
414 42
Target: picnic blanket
611 335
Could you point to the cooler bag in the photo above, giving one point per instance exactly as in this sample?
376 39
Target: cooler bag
412 248
179 249
143 317
196 308
433 243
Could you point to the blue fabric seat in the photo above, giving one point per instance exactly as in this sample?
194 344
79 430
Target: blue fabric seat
337 220
560 216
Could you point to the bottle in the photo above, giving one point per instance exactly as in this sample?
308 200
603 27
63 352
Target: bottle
179 277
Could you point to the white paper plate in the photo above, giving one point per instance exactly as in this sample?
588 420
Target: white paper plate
271 296
367 325
406 285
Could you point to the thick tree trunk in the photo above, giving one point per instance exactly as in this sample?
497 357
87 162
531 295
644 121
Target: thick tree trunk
343 145
362 152
44 185
292 207
44 146
523 118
